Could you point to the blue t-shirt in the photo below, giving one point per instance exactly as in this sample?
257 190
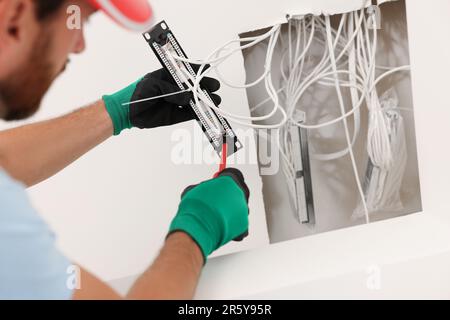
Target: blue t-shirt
31 266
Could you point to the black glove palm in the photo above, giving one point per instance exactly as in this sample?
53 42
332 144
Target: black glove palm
159 112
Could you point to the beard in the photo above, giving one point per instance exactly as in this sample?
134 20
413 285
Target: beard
21 94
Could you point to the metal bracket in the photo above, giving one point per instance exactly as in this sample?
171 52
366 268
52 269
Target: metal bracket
303 181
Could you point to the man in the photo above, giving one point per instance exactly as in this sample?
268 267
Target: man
34 47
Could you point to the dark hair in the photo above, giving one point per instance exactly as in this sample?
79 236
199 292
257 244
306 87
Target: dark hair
46 8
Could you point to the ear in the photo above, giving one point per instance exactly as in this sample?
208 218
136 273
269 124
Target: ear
14 19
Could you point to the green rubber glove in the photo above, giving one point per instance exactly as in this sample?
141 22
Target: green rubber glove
214 212
154 113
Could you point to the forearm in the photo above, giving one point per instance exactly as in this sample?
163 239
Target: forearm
35 152
174 274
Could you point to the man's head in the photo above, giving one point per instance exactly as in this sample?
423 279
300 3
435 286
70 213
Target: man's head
36 42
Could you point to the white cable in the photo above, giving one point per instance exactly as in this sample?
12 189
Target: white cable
357 106
269 87
260 104
156 97
354 88
341 104
210 60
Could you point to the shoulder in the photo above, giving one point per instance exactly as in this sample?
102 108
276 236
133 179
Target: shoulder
32 266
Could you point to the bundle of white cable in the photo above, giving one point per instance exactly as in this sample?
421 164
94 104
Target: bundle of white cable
347 62
383 185
360 57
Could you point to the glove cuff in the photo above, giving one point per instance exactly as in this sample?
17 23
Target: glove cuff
119 113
